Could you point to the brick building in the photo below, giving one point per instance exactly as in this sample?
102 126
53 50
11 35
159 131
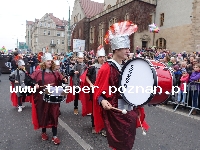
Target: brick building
93 29
178 21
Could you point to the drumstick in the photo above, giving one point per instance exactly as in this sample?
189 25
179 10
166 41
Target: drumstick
123 111
144 133
47 85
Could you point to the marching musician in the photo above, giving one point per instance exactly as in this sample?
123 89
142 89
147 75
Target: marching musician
120 128
77 70
44 114
57 63
90 78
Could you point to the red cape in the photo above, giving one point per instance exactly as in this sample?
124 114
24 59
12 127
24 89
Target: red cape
70 96
14 98
37 68
85 97
103 83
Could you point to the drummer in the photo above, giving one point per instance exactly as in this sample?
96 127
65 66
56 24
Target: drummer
120 128
45 115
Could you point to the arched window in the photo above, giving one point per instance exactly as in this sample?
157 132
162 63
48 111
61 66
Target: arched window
126 17
77 18
101 33
92 30
79 32
112 21
161 43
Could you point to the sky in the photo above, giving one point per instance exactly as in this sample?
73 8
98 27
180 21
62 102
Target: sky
14 13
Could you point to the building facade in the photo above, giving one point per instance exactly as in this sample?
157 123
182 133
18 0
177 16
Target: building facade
48 32
94 28
178 22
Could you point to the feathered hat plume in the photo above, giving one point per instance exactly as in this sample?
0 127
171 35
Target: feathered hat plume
118 32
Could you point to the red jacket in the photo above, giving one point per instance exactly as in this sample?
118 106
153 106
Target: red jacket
184 79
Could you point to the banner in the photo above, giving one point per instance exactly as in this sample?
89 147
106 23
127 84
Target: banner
78 45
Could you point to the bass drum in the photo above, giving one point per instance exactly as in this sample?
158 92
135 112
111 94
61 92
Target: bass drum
145 82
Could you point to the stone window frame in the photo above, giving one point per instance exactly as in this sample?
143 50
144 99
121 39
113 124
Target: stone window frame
162 18
101 33
161 43
92 29
79 32
112 21
58 41
151 19
126 18
63 42
49 32
44 32
58 34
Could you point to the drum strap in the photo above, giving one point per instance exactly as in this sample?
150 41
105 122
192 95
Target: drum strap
115 64
18 76
43 77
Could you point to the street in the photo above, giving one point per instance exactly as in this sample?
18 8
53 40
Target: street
168 130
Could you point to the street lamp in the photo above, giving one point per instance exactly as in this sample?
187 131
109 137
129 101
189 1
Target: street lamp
69 31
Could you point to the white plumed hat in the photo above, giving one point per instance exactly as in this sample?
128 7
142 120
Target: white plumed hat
80 55
57 62
21 62
118 34
47 56
100 51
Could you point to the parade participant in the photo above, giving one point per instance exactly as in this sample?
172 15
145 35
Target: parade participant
17 77
57 63
120 128
77 70
44 114
90 78
14 61
32 62
57 68
40 54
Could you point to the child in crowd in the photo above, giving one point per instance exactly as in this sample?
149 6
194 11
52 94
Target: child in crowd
17 77
195 88
178 74
184 79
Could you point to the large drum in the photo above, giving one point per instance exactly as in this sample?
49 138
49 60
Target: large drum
146 82
54 95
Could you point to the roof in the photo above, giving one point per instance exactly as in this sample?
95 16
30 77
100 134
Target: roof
57 21
29 22
91 8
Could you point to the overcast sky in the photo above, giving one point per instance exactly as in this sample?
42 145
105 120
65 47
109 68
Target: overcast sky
14 13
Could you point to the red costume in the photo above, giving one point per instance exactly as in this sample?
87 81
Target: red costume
85 97
14 98
120 128
37 68
45 115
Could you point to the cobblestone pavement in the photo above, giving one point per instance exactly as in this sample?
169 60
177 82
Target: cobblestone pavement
168 130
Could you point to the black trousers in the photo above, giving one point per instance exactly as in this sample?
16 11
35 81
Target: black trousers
54 130
76 99
92 116
21 99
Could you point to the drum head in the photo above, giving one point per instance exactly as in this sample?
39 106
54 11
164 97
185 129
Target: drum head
137 82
